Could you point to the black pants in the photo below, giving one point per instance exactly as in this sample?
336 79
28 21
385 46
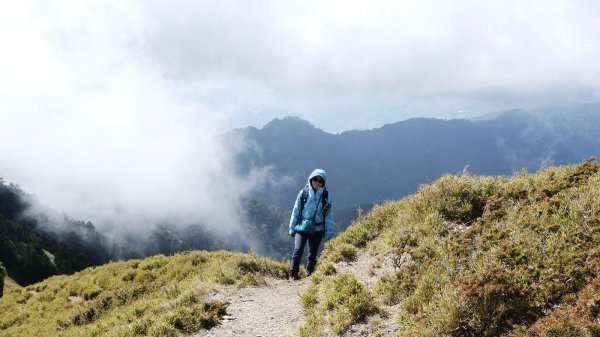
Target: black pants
314 240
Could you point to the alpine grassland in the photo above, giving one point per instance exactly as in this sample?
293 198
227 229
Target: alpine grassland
155 296
470 256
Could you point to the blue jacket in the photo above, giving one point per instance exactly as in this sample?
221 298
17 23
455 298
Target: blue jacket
313 207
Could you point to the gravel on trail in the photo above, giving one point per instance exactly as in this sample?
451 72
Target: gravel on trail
270 310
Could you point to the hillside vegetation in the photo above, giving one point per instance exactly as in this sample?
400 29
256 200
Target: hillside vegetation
156 296
470 256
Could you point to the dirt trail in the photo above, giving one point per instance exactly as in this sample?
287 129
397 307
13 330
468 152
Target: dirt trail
271 310
274 310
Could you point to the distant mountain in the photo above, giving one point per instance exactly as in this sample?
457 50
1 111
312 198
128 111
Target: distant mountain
555 135
370 166
367 166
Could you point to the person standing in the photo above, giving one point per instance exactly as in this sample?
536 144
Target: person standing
3 275
311 221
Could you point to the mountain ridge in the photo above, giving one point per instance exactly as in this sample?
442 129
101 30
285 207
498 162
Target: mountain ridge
367 167
398 157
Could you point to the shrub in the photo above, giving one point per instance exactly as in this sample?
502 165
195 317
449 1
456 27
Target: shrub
343 252
578 316
202 316
346 302
392 288
338 302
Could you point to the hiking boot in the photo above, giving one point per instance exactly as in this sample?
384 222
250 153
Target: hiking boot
294 278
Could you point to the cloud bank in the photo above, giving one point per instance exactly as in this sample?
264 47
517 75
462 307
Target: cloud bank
111 110
98 133
384 61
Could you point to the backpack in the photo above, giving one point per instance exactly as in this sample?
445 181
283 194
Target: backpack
324 202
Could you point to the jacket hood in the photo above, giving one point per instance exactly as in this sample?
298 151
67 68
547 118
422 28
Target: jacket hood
318 172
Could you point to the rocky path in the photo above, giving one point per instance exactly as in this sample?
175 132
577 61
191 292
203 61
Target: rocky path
271 310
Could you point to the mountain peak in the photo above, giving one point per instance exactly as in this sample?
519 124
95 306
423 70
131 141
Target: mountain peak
288 122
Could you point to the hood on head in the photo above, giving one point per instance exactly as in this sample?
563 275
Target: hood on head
318 172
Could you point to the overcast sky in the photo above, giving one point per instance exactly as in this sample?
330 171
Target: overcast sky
339 64
125 96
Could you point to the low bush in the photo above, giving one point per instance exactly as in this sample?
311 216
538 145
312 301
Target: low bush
344 302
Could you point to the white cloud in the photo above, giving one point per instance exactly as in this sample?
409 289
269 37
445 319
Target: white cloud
114 106
100 134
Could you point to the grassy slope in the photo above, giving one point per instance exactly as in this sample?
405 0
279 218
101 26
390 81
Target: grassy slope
473 256
156 296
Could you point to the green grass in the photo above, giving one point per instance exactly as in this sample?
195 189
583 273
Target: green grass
156 296
478 256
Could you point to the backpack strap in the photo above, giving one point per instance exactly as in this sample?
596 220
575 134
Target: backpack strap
303 199
325 205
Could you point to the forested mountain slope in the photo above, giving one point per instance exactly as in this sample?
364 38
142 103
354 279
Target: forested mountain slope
31 252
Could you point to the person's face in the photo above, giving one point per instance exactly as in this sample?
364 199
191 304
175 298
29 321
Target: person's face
317 182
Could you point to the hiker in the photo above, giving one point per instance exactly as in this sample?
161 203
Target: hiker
311 221
3 275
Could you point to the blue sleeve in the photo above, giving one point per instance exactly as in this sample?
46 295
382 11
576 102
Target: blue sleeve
329 220
294 217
